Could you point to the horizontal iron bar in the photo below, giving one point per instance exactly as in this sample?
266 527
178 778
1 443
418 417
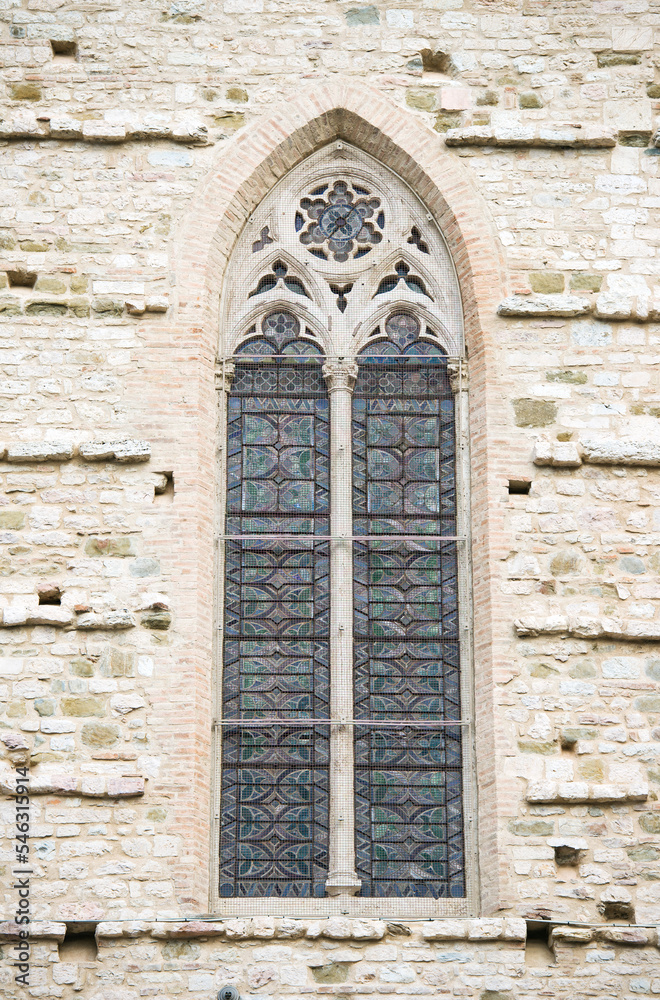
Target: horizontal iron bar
430 723
315 358
346 538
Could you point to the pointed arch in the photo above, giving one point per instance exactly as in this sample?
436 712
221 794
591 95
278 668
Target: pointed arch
263 153
246 169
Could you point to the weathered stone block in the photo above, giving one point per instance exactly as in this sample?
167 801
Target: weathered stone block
144 567
25 91
562 454
613 452
110 547
544 305
534 412
358 16
40 451
12 520
531 828
159 620
82 706
99 735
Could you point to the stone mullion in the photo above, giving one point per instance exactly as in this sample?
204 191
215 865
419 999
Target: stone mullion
342 877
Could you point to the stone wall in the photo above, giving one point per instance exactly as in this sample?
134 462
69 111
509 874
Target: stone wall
136 140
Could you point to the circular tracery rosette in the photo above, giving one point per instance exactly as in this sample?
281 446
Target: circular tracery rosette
343 221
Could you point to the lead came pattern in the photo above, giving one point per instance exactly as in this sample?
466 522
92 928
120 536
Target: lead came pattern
409 825
274 830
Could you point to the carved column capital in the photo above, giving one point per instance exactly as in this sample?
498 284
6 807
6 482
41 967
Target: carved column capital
458 377
224 376
340 375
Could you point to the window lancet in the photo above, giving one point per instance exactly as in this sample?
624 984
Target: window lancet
342 700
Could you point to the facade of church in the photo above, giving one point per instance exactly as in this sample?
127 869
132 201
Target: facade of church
330 517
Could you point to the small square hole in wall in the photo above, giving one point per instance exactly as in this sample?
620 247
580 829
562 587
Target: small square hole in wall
21 278
537 944
49 593
79 944
63 49
164 485
519 487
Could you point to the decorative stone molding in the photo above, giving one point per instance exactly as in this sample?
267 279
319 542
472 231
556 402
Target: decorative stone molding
582 791
589 628
545 306
517 136
116 126
89 786
124 450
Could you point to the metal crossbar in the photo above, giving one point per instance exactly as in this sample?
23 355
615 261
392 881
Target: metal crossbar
385 723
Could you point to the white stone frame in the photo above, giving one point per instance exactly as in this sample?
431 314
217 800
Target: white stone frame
342 336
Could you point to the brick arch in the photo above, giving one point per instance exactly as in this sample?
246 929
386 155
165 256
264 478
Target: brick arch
246 170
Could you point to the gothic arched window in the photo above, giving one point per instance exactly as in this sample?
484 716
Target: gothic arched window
344 712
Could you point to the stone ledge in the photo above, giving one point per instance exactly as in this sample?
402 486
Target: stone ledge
91 786
476 929
561 454
531 136
616 935
49 930
589 628
334 928
610 452
114 127
611 306
581 791
123 450
55 616
81 305
567 455
545 306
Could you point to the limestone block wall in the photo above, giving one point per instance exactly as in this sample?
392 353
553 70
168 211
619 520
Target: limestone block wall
136 140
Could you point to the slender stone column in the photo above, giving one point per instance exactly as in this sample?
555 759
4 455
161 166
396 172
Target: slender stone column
223 380
342 878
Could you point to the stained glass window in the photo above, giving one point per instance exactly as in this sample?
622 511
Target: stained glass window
274 831
408 782
341 753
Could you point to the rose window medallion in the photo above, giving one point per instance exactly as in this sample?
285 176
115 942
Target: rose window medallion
344 222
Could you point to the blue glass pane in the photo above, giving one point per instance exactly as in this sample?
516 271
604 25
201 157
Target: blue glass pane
274 831
408 780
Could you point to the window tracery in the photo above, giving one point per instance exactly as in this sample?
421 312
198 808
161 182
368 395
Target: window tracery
341 689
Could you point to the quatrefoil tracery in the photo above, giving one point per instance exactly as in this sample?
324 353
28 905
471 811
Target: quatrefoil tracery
348 221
